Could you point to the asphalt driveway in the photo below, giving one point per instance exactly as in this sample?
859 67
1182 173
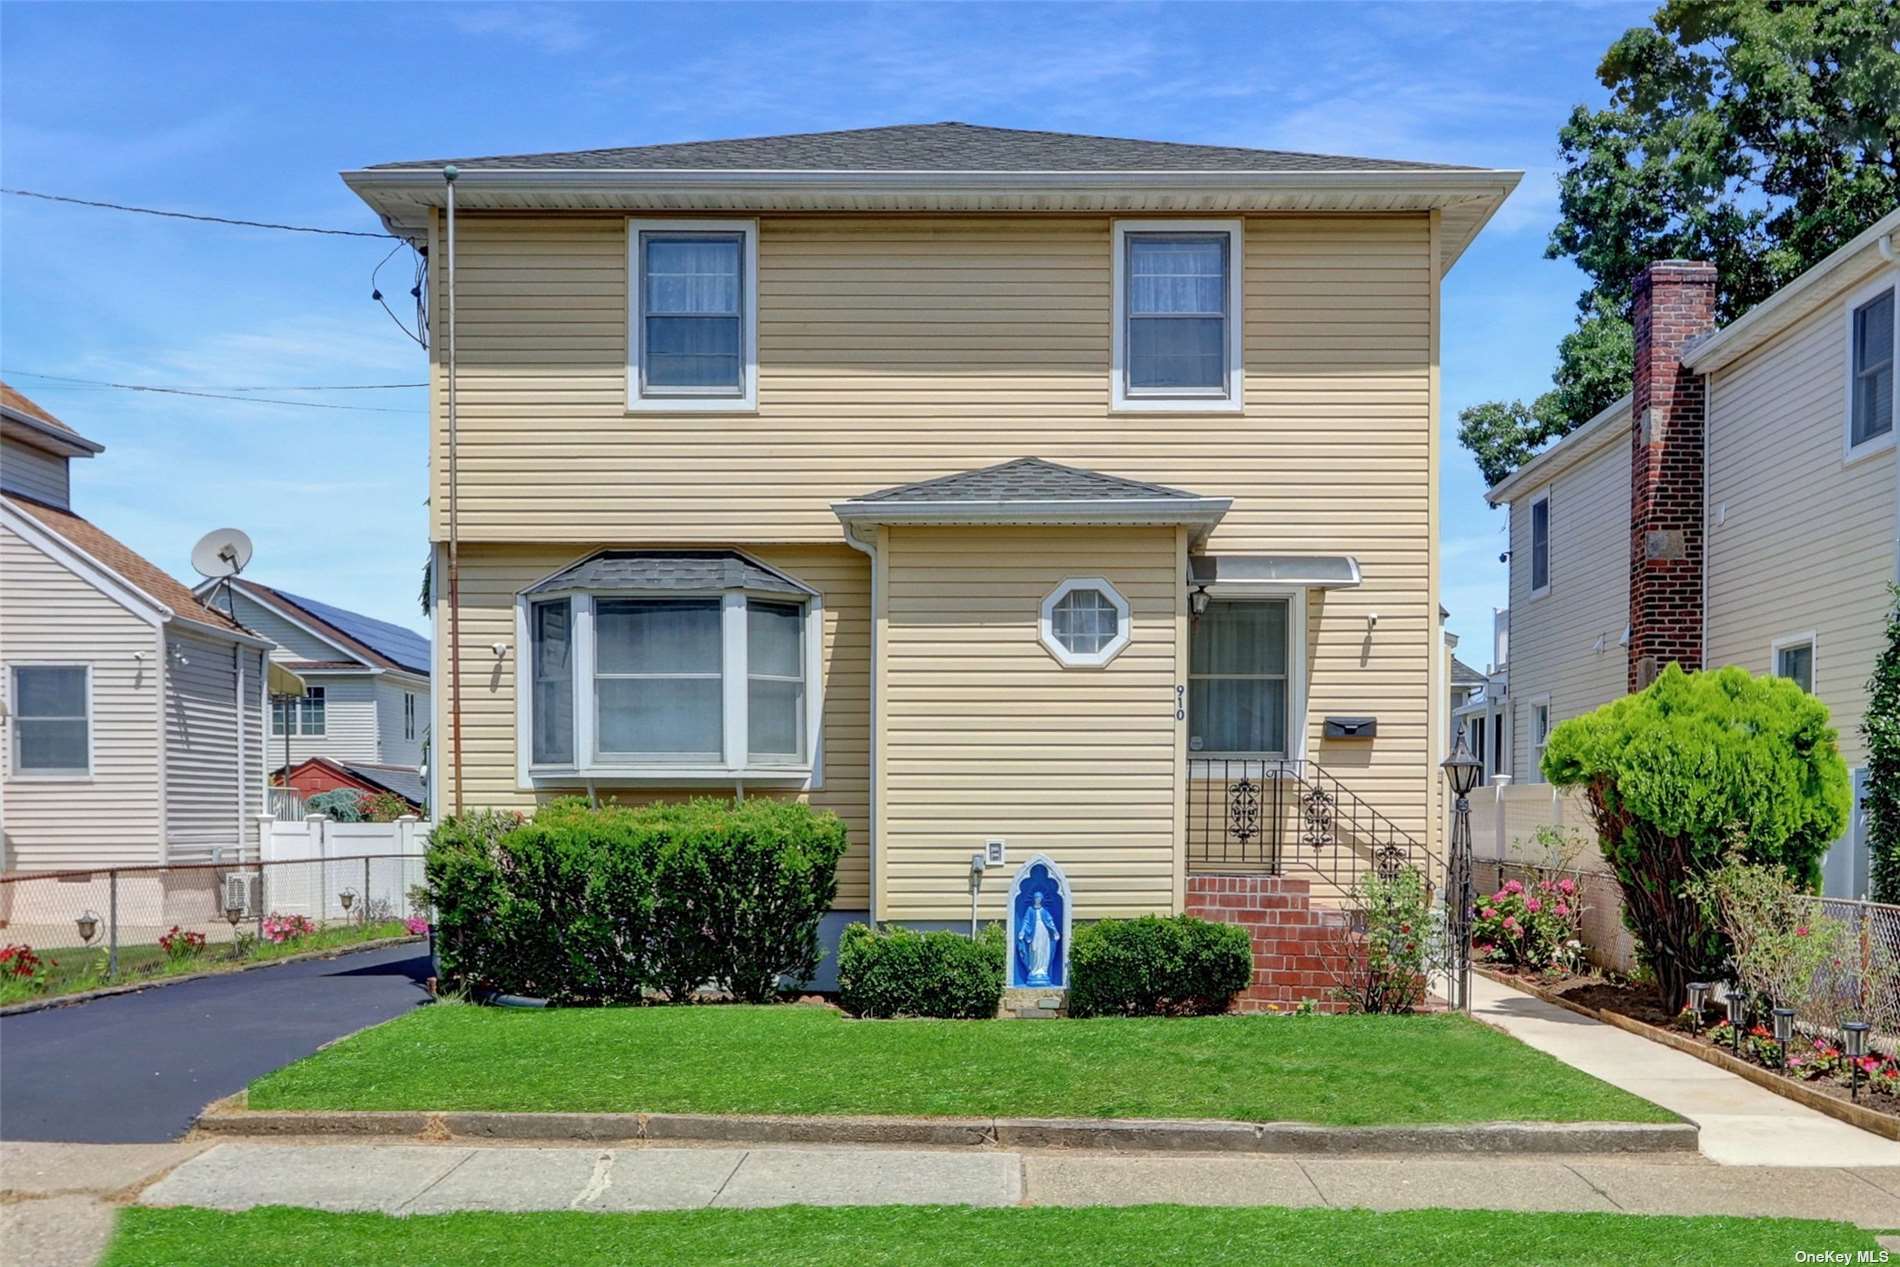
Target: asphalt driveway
137 1068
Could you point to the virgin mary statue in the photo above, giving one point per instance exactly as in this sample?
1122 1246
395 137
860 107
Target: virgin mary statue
1036 942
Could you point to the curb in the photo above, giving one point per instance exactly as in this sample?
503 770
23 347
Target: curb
1111 1135
133 987
1884 1125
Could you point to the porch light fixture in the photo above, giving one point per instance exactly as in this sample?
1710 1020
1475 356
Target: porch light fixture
88 925
1699 999
1854 1044
1198 601
1784 1031
347 897
1737 1014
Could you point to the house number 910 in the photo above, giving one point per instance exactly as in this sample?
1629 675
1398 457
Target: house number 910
1180 704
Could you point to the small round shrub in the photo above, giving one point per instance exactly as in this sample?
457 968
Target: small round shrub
1155 966
901 972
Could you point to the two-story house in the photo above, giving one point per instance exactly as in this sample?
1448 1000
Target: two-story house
362 722
134 714
1738 508
1003 491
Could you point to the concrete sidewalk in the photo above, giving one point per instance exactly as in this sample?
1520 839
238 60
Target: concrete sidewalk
434 1178
1742 1124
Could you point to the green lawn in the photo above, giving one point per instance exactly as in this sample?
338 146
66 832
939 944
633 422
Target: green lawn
1342 1070
942 1236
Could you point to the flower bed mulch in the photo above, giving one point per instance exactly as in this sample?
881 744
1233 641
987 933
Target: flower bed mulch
1823 1088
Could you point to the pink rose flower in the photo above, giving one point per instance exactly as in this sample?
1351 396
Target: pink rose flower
1567 885
1510 922
1490 912
1562 909
1513 886
1534 905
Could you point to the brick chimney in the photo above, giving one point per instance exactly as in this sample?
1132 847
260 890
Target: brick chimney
1675 303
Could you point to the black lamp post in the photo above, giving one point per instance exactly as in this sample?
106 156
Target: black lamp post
1463 772
1698 999
1737 1013
1784 1032
1854 1043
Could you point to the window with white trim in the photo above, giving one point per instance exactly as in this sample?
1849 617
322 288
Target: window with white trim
1540 543
1239 655
1085 622
408 715
693 313
1540 737
52 719
305 715
1870 388
1794 660
635 684
1177 337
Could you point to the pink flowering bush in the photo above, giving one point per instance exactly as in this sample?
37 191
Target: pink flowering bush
1536 926
416 925
279 929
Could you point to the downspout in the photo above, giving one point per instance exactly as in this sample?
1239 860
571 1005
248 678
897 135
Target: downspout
869 550
455 537
237 711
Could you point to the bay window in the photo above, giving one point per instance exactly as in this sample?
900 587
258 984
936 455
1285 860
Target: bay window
695 665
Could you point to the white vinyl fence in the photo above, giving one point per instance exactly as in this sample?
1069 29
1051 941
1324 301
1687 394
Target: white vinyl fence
377 864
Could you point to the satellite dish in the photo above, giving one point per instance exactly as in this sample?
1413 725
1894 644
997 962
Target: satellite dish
221 552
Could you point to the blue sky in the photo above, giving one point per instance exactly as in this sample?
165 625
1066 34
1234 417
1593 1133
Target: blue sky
250 111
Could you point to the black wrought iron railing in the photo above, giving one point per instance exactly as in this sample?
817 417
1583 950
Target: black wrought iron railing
1286 816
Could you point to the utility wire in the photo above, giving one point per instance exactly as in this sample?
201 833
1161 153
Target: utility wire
249 400
186 215
216 387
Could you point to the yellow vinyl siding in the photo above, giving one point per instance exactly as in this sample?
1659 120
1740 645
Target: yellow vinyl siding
50 615
1807 540
491 578
895 348
987 735
1553 636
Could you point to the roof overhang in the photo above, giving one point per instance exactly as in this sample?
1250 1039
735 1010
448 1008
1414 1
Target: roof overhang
1863 258
43 435
405 197
1611 424
1285 571
1200 514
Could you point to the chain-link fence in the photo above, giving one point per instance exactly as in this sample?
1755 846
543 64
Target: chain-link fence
69 930
1865 984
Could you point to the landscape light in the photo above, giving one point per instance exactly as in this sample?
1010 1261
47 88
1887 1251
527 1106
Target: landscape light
1737 1014
1784 1031
1854 1042
1699 999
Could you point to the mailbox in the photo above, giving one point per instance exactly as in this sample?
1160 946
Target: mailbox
1351 727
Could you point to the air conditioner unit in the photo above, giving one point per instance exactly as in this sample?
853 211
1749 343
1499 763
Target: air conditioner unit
241 891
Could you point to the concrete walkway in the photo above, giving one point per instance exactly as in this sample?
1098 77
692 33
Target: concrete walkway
1742 1124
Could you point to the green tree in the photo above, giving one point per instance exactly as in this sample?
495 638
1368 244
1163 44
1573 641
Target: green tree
1691 770
1881 727
1758 134
1593 373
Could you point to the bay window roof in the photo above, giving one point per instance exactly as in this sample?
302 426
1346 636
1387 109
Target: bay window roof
685 571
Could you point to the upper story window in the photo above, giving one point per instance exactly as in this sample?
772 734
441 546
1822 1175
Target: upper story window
1177 336
694 315
1085 622
1238 683
1871 350
299 716
694 664
52 720
1540 543
408 715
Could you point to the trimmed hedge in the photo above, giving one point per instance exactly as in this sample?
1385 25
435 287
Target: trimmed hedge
602 905
1155 966
901 972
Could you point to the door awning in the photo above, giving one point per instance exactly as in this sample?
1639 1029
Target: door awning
1309 571
282 681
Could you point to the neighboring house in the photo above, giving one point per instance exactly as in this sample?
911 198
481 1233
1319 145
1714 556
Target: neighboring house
1750 519
979 485
134 714
1466 684
364 717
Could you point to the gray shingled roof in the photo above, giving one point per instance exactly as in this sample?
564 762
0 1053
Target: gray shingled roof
1027 480
1463 674
684 570
935 147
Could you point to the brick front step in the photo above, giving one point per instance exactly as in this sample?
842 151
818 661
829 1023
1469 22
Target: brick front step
1297 947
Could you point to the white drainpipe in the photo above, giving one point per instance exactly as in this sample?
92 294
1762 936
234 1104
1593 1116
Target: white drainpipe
852 539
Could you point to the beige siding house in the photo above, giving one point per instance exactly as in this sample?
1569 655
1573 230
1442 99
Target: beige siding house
982 486
134 715
1798 514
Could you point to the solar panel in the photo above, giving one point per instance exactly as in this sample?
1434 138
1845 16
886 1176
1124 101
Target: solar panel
407 648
